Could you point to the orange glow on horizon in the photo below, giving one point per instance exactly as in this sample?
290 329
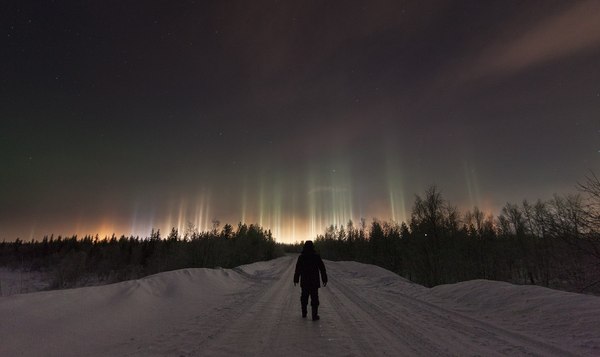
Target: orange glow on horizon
285 228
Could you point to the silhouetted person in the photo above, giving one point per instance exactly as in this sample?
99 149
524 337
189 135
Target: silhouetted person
308 266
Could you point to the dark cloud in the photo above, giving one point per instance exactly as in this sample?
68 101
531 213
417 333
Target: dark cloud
294 115
569 32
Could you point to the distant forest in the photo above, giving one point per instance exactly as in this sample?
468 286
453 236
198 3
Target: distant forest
76 261
554 243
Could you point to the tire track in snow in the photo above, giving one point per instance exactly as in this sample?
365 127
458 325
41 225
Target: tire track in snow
357 320
387 337
414 332
272 326
251 331
479 327
203 326
452 329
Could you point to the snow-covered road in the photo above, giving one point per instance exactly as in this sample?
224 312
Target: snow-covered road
254 310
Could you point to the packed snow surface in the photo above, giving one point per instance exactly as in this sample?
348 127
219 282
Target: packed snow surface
254 310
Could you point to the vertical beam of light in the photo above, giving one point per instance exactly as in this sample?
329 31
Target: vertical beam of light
330 198
396 196
169 222
293 215
277 209
293 236
199 212
207 224
341 195
323 198
472 185
244 202
261 203
312 205
275 220
208 220
182 216
269 210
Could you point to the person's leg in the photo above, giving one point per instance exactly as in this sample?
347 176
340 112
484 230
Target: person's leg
304 301
314 302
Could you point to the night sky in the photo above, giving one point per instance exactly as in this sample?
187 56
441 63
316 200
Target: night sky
121 116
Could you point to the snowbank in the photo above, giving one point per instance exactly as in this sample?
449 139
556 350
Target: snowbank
254 310
570 318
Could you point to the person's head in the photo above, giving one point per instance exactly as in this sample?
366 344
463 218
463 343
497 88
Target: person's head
308 247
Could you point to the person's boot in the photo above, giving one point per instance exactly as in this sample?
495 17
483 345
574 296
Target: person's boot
304 311
315 313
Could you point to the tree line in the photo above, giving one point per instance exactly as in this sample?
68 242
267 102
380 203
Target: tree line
76 261
553 243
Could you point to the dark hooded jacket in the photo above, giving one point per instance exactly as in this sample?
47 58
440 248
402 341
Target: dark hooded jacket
308 266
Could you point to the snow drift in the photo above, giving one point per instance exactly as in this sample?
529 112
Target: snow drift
254 310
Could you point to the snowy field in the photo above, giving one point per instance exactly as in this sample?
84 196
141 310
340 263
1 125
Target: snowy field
254 310
19 282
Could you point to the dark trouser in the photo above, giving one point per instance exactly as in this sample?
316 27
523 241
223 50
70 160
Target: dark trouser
314 297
